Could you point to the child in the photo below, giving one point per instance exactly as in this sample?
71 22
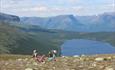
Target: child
34 53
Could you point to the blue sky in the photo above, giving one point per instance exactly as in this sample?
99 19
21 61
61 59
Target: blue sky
46 8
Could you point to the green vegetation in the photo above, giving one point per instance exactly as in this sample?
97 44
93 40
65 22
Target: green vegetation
22 39
15 41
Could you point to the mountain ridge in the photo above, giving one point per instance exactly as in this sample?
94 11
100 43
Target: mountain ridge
103 22
9 18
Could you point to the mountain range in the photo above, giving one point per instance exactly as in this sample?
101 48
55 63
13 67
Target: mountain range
22 38
96 23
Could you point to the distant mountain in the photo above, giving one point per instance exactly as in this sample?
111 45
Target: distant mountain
34 20
63 22
9 18
102 22
107 19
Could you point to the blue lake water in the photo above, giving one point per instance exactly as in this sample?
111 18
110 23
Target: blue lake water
87 47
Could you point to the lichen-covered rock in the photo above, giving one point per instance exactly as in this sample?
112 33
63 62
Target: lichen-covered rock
94 64
28 69
109 68
76 56
19 59
35 63
99 59
100 62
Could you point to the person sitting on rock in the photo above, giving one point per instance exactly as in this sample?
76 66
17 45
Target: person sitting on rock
52 55
38 57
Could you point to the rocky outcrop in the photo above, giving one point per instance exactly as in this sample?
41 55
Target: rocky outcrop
97 62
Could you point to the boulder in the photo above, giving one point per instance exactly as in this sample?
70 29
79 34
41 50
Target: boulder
76 56
28 69
99 59
109 68
34 63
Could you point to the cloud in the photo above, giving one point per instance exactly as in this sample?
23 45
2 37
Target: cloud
39 8
12 1
49 7
73 1
45 9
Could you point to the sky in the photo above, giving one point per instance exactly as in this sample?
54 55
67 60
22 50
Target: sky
46 8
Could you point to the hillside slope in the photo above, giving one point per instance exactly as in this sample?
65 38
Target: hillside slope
20 39
15 41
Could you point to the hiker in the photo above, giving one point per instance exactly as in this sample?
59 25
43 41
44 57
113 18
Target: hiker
52 55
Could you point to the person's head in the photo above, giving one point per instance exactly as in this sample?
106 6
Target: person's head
54 51
34 50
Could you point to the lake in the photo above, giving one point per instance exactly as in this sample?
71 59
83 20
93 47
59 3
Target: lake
86 47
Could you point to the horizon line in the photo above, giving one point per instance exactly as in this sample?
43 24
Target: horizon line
60 15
